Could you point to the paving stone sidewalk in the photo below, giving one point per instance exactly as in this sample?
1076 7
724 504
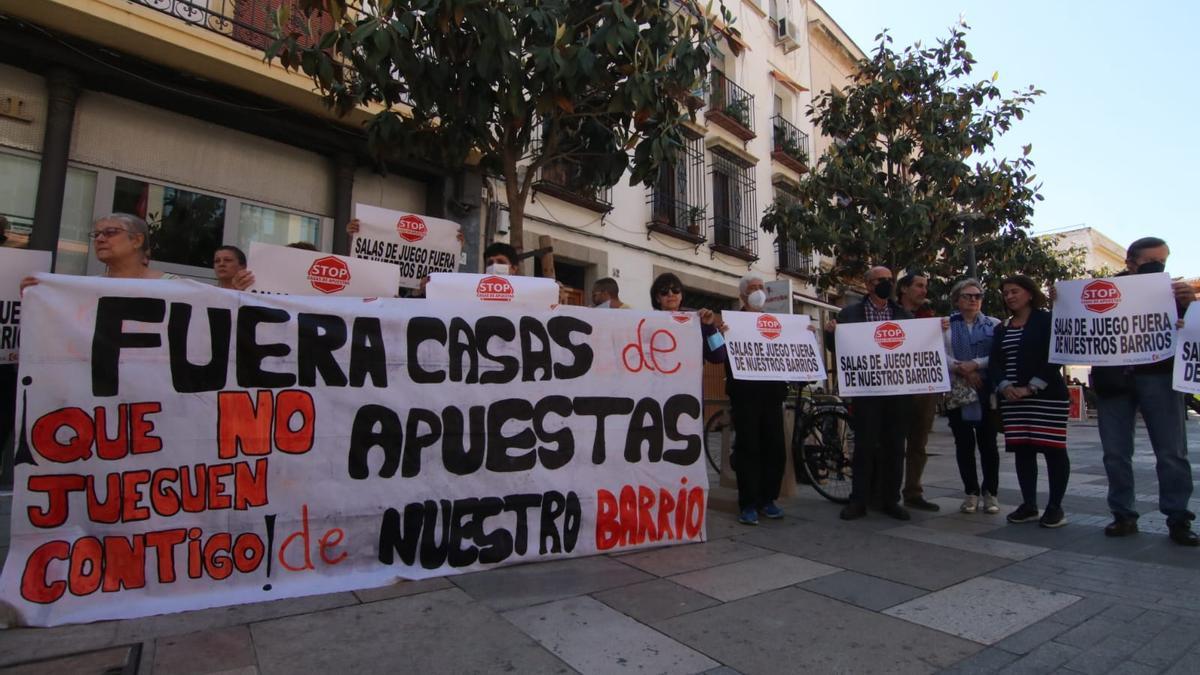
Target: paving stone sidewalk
945 592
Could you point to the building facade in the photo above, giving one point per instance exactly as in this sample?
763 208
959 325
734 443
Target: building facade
166 109
1101 253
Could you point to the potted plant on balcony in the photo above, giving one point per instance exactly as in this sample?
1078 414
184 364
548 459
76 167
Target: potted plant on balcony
793 148
739 111
694 216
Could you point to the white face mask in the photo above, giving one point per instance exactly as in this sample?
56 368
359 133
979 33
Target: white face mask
498 268
756 299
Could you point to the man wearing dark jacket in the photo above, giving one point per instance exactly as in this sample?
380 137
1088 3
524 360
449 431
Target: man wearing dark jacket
1123 391
880 422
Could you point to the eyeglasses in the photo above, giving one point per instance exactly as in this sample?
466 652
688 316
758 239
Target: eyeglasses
107 233
971 296
669 290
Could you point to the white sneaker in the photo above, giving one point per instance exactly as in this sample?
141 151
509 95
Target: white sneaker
969 504
990 503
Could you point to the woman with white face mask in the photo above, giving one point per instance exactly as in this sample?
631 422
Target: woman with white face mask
758 457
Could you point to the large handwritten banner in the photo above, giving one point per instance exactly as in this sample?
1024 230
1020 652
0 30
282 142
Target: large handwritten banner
1187 352
886 358
765 346
184 446
418 245
296 271
15 265
1123 321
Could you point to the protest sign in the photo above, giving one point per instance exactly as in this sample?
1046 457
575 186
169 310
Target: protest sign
764 346
1123 321
185 447
418 245
15 265
779 296
295 271
1187 352
886 358
494 289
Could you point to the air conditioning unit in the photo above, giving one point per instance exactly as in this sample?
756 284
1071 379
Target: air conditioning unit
786 36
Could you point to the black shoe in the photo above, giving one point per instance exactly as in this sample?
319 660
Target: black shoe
921 504
1121 526
853 511
1023 514
1053 517
1181 533
896 511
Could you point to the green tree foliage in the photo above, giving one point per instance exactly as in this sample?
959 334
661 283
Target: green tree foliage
520 83
911 165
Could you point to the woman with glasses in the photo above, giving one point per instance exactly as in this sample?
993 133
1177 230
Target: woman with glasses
122 242
969 334
1033 399
666 294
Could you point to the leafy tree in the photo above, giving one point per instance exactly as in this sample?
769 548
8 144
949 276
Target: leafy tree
522 82
898 187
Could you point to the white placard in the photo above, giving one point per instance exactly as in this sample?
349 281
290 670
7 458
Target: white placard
493 289
15 265
419 245
295 271
886 358
779 296
764 346
338 444
1122 321
1187 352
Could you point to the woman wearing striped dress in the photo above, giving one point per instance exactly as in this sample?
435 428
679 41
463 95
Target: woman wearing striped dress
1033 400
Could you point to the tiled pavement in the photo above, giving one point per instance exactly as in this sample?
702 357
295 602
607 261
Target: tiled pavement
946 592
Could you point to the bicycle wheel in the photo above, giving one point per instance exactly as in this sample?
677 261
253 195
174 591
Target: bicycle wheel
714 431
827 454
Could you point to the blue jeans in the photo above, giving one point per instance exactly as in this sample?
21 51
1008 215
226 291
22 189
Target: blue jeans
1166 417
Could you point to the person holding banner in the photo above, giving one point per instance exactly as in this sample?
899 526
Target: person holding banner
969 334
122 242
229 266
1033 399
500 258
1121 392
606 294
880 422
912 292
758 447
666 294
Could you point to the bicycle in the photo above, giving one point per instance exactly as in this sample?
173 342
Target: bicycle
823 446
719 423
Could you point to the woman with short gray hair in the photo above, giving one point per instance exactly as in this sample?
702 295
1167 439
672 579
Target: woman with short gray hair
968 334
122 242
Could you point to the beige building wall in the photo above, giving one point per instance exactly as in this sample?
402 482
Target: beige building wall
834 58
1100 250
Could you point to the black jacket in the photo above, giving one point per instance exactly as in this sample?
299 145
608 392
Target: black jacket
1033 357
857 313
1114 380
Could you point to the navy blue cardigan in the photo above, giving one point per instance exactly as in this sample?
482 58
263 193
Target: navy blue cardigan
1033 358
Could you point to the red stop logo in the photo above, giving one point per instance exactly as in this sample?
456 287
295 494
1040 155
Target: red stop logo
494 289
329 274
889 335
680 317
768 326
1100 296
411 228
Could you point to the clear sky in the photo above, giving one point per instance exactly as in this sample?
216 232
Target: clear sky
1115 137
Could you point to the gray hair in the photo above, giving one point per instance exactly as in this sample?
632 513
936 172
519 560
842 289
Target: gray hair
133 225
963 284
745 282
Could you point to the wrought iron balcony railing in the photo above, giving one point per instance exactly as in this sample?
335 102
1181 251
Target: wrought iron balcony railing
793 261
250 22
563 179
730 106
789 145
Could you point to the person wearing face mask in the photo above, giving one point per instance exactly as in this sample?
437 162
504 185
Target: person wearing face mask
1122 392
500 258
758 448
606 294
880 422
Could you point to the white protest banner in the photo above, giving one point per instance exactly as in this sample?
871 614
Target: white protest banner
493 289
295 271
886 358
418 245
779 296
763 346
15 265
1123 321
187 447
1187 352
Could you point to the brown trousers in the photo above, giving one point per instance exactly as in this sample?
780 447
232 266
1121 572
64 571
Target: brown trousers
923 408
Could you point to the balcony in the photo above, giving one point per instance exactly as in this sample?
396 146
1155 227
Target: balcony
563 179
794 263
730 106
677 201
249 22
789 145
